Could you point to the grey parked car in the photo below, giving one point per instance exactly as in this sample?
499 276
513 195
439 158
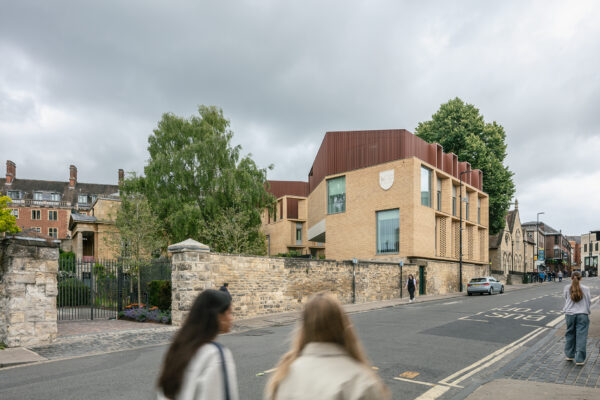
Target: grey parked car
486 284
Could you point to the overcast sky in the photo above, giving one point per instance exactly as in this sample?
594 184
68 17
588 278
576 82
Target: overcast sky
85 82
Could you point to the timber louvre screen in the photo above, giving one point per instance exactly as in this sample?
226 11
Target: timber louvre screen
100 289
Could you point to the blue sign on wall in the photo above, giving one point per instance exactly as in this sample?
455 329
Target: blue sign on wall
541 254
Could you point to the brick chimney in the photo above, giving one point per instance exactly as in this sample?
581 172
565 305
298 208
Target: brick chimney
11 172
72 176
121 176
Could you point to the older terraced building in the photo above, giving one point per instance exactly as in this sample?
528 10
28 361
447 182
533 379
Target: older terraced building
382 195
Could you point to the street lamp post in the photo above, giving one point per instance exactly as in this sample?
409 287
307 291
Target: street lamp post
460 285
590 248
537 237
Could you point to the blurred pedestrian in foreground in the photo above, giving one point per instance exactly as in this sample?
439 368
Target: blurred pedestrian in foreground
326 361
195 366
577 310
225 288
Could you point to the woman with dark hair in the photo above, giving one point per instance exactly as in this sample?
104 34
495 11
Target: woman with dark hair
195 366
577 311
411 285
326 361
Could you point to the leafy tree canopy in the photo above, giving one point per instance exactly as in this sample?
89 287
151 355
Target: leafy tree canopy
8 222
461 129
196 178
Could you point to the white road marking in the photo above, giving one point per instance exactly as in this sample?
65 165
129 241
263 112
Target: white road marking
451 302
425 383
595 298
270 370
555 321
494 355
434 393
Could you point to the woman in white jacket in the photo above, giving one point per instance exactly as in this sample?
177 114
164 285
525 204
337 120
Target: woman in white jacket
195 366
326 361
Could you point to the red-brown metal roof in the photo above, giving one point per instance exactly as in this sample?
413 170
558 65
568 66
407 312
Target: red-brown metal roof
289 188
349 150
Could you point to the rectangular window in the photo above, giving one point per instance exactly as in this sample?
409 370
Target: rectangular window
53 215
478 210
38 230
585 247
388 231
298 233
38 196
55 197
426 186
15 212
14 194
36 214
596 246
53 232
454 200
467 206
556 255
336 195
82 199
555 239
439 194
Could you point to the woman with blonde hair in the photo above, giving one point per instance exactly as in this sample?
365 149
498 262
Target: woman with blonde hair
577 311
326 360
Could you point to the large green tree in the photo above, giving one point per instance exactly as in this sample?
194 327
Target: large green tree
8 222
196 178
461 129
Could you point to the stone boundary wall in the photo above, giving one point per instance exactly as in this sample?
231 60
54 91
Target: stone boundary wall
265 285
28 290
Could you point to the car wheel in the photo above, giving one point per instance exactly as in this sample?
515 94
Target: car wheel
502 289
491 291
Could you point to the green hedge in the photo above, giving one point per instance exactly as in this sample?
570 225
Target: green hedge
73 292
159 294
66 261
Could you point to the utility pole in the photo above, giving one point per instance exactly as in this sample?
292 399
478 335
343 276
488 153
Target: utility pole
537 234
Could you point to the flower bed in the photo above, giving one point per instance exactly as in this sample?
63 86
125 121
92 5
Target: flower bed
152 314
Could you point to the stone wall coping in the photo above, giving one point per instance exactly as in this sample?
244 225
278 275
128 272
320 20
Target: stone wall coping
390 263
33 241
189 245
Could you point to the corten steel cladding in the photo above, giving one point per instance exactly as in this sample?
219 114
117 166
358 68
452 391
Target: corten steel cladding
350 150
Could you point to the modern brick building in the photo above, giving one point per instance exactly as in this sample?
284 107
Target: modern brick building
381 195
46 206
554 249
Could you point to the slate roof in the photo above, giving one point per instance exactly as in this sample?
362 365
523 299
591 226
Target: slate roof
496 240
510 219
70 196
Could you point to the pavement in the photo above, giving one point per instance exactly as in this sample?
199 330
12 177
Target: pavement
541 371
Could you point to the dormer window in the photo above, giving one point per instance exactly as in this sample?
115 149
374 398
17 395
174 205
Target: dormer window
55 196
14 194
38 196
82 199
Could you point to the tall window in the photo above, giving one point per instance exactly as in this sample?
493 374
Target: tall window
38 196
55 196
336 195
82 199
52 215
478 210
388 231
15 212
467 206
584 247
298 233
53 232
454 200
439 194
36 214
426 186
596 246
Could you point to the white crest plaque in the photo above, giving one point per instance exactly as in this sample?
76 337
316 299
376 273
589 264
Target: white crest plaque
386 179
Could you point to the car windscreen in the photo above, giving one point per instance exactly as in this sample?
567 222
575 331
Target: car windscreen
478 280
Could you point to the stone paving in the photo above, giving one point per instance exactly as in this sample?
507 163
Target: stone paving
548 365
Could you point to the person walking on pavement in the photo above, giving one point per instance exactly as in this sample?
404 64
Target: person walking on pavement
225 288
326 360
411 285
560 276
577 311
195 366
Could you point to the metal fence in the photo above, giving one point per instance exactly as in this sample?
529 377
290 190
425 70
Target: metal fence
99 289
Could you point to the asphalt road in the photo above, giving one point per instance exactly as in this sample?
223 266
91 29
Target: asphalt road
459 342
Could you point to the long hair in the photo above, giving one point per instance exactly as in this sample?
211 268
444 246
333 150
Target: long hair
200 327
323 320
575 291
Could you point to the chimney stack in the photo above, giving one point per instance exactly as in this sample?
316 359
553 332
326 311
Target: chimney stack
72 176
11 172
121 176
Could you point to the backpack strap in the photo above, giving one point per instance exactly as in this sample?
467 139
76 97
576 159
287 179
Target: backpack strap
225 379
